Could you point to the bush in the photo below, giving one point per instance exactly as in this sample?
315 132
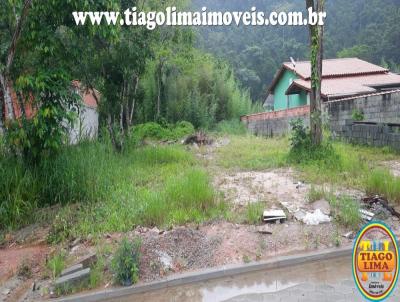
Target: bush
303 150
125 263
167 132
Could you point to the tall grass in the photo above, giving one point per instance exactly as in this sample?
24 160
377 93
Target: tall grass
105 191
382 182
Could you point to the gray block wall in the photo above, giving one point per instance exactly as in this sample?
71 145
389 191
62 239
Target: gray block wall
274 127
380 125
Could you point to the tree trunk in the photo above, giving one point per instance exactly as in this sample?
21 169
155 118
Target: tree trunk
132 109
4 80
5 88
316 45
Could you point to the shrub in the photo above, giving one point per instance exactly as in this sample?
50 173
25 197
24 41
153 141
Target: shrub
158 132
125 263
357 115
303 150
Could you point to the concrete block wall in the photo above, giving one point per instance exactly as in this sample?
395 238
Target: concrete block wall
379 127
275 123
380 108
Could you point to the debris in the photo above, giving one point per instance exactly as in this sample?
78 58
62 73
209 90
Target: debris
88 260
72 269
370 201
299 215
264 230
316 218
200 138
349 235
75 242
6 291
274 215
366 215
322 205
292 208
74 278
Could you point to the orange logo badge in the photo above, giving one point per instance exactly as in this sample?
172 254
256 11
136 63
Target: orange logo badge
376 261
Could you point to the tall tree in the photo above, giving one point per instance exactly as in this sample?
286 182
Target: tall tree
15 28
316 45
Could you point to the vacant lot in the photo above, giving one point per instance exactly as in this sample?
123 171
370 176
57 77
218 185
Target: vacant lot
180 200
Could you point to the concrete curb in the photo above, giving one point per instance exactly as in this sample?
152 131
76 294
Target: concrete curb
213 273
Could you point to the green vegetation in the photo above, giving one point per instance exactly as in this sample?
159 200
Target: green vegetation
232 127
104 191
253 212
357 115
316 194
346 211
158 132
257 53
253 153
56 264
125 264
382 182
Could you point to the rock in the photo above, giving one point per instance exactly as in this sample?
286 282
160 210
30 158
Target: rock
316 218
75 242
72 269
299 215
165 259
6 291
263 230
322 205
73 279
87 260
349 235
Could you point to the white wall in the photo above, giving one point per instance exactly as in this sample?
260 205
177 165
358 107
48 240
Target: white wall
86 126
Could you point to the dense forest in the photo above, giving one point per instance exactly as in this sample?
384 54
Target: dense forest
369 30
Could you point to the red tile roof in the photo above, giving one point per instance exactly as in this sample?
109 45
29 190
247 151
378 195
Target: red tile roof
349 85
336 67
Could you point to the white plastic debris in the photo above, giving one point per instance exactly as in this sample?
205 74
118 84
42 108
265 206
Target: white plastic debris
316 218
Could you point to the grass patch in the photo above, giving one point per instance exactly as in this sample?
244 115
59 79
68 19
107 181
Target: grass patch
232 127
253 212
56 264
253 153
346 211
382 182
315 194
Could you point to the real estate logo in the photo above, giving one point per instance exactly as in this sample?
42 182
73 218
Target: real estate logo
376 261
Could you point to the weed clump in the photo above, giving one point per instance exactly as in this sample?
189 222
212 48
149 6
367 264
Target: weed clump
125 263
304 151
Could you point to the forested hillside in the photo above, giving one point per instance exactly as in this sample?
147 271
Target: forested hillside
369 30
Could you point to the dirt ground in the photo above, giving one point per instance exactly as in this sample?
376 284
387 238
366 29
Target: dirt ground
193 247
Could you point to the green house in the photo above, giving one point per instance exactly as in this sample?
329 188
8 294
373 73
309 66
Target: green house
341 78
282 100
